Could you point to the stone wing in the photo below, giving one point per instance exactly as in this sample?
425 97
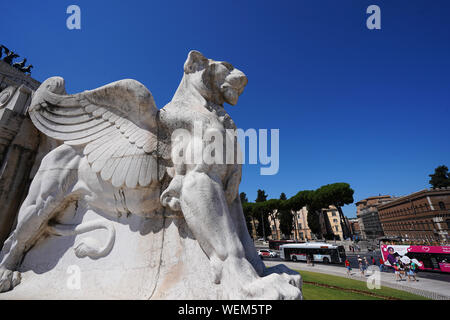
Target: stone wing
117 124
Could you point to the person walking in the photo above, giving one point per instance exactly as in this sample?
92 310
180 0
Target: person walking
402 269
361 267
397 275
381 264
408 271
373 261
412 271
347 265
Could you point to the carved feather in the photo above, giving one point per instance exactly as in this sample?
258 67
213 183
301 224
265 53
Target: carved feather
116 125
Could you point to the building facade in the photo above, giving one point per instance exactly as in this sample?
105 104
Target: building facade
368 217
423 216
300 230
19 143
333 225
354 228
329 221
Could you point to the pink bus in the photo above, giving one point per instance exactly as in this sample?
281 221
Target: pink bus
435 258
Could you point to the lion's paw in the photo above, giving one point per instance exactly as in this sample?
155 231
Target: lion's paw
274 287
291 276
8 279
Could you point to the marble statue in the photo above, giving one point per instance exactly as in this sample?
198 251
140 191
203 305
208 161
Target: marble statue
113 166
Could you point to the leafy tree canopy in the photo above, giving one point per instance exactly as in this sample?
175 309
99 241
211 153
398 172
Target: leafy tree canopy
337 194
440 178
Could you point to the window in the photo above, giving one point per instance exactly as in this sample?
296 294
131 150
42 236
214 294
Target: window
333 214
441 205
335 220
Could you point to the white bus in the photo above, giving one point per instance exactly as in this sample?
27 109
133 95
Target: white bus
319 252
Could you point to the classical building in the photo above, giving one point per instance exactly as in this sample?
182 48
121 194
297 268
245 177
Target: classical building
329 221
421 216
333 225
354 228
19 142
368 219
300 230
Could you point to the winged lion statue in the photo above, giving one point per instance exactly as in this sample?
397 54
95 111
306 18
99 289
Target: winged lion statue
114 140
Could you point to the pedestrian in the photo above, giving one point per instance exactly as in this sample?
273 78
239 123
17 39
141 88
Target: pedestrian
397 275
347 265
412 271
373 261
361 266
408 271
381 264
402 269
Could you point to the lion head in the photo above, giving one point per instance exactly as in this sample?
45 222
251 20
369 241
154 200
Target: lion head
215 81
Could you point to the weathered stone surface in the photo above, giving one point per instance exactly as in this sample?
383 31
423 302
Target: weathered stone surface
115 201
19 141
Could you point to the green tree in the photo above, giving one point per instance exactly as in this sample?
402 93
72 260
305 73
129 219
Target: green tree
243 197
337 194
440 178
260 212
261 196
247 209
285 217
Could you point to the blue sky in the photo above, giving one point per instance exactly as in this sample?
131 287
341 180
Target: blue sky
367 107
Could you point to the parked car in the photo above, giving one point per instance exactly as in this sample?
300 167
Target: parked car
266 253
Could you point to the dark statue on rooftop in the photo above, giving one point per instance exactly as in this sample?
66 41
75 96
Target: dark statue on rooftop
20 65
10 56
27 69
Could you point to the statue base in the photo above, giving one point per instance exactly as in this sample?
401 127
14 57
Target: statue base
158 259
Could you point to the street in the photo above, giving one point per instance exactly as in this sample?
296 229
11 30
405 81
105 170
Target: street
353 259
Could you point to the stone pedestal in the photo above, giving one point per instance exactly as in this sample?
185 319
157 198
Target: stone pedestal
153 258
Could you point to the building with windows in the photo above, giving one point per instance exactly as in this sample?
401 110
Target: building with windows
367 215
329 220
333 225
423 216
354 228
300 230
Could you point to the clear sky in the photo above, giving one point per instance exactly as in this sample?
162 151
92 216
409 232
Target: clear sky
367 107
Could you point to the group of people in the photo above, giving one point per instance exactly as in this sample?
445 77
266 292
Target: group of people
400 268
405 269
363 264
354 248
